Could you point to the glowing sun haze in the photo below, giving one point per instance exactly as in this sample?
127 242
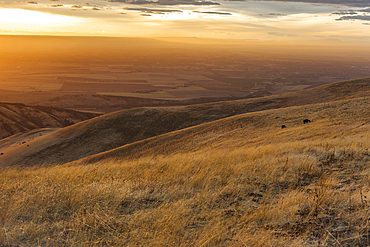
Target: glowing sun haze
32 17
264 20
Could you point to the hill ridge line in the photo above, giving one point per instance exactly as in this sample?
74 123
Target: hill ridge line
118 129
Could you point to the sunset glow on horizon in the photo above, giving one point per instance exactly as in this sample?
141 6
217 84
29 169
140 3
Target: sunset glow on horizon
32 17
263 20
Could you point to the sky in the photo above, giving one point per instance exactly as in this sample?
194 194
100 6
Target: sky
347 20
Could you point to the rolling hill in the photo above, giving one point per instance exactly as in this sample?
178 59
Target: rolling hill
233 178
330 120
128 126
17 118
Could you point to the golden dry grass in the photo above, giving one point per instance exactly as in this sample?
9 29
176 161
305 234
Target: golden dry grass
216 184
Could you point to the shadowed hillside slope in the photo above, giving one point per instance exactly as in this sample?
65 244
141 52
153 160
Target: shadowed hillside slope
237 181
336 119
120 128
16 118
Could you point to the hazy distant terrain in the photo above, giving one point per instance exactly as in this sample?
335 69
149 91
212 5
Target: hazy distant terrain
49 69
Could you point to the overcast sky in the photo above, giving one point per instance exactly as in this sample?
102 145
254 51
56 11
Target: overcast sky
265 20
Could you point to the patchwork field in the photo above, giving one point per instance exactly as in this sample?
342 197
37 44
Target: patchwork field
106 81
164 69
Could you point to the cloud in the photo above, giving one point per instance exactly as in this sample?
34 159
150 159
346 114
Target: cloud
77 7
344 12
276 14
354 17
30 2
153 11
146 15
56 5
351 15
89 5
351 3
167 2
213 13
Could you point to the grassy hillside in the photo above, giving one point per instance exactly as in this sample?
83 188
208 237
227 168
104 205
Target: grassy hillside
238 181
17 118
337 118
120 128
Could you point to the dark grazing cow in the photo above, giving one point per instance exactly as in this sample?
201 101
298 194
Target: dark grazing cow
306 121
283 126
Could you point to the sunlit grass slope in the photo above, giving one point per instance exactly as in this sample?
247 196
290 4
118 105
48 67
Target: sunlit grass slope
120 128
239 181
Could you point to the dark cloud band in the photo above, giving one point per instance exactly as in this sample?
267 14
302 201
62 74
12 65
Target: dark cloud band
277 14
167 2
345 12
213 13
354 17
351 3
351 15
154 11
